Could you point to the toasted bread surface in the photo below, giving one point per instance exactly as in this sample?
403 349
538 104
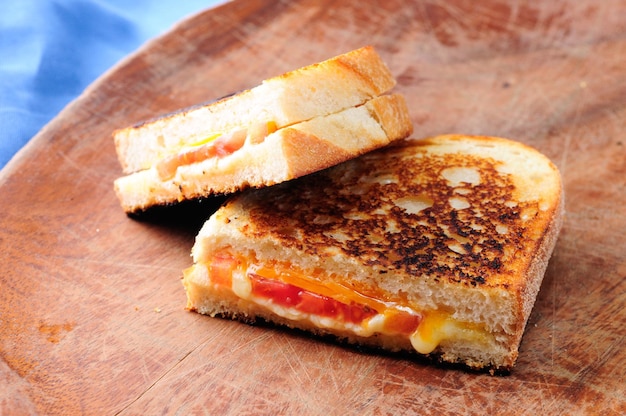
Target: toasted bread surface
461 224
288 153
320 89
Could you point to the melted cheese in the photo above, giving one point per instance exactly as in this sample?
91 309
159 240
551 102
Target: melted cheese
434 328
209 138
241 285
437 327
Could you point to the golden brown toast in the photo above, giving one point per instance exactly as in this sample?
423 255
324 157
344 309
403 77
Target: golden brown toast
434 246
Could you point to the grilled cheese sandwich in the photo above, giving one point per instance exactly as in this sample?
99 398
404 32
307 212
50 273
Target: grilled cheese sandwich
434 246
291 125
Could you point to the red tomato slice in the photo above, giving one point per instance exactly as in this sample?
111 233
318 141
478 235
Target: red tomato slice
221 269
317 304
358 313
304 301
281 293
229 142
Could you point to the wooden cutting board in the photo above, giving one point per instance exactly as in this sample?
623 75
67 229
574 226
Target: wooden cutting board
92 316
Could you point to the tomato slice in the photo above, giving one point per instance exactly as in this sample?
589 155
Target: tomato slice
281 293
221 269
285 294
227 143
316 304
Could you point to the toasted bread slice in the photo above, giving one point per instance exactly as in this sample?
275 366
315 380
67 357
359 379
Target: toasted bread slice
434 246
324 88
288 153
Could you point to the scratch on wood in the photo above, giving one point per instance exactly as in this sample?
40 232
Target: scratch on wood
162 376
288 356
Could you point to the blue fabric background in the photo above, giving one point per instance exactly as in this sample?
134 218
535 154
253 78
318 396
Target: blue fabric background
51 50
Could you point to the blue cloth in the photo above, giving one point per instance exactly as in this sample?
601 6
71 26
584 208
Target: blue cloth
51 50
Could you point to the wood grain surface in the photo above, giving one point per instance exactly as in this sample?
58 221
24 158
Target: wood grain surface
92 317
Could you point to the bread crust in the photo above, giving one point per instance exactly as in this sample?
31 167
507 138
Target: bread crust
320 89
288 153
479 251
535 272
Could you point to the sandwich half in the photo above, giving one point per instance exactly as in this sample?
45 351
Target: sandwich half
436 247
288 126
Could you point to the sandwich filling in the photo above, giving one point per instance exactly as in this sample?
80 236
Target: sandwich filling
214 145
293 295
